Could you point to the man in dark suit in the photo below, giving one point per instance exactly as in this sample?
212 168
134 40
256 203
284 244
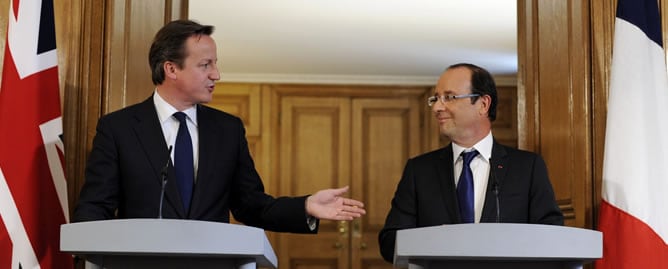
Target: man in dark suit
431 191
132 158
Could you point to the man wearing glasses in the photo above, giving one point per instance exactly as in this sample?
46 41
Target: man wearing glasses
473 179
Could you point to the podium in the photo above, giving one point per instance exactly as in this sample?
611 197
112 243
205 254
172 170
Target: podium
167 243
497 245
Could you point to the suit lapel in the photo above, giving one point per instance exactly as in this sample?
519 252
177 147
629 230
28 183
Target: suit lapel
149 132
497 170
444 166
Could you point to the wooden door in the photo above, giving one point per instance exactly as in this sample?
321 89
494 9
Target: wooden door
385 133
314 154
321 140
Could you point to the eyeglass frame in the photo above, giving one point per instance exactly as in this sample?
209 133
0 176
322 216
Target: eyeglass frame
431 100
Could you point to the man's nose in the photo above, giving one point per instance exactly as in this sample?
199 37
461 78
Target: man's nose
215 74
438 106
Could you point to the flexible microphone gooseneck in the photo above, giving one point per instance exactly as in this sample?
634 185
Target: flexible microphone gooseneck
495 188
163 175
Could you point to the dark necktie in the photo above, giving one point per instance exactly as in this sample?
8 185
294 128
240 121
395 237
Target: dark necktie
183 161
465 188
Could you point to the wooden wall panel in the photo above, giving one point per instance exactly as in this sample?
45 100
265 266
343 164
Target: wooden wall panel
504 128
314 155
385 133
315 134
242 100
131 27
603 19
554 98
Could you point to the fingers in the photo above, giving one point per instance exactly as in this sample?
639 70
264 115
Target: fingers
344 213
351 202
347 215
352 210
340 191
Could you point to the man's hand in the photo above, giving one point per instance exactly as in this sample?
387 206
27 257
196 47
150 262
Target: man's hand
329 205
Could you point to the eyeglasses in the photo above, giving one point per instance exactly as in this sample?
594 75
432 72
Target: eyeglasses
448 97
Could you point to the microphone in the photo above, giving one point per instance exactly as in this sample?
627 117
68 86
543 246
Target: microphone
163 175
495 189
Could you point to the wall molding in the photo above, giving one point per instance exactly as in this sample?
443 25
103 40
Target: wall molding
273 78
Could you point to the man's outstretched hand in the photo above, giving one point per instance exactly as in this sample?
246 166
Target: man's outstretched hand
330 205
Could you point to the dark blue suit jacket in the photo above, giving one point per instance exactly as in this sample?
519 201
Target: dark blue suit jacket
123 174
427 196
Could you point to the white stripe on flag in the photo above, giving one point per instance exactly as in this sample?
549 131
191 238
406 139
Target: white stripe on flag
22 248
635 166
50 131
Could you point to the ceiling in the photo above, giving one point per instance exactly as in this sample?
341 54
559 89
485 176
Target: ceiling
358 41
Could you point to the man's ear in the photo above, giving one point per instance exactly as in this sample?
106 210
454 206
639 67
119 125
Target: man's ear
486 102
170 69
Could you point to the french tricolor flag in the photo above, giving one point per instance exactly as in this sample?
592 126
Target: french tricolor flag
634 210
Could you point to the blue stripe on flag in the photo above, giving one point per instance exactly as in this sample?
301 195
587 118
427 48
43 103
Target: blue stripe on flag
47 29
644 14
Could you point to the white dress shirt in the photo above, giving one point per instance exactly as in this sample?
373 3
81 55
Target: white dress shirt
479 166
170 126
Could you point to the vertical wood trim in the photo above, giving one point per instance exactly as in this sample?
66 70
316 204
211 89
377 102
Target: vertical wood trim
581 112
82 88
526 78
602 25
115 40
175 9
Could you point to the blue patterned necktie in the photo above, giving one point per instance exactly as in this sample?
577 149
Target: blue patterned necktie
465 188
183 161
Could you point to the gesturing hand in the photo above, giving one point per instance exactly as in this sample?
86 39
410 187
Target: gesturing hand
329 205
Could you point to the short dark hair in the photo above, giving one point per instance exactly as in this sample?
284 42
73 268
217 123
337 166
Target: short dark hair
482 83
169 45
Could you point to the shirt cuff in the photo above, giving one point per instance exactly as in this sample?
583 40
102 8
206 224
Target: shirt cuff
312 222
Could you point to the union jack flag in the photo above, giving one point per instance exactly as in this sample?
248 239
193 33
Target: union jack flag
33 189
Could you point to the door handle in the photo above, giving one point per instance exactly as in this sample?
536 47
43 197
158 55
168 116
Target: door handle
357 229
357 232
343 228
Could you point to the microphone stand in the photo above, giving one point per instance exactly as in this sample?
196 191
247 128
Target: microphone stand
495 189
163 175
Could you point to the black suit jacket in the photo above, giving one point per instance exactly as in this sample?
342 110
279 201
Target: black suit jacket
427 196
123 174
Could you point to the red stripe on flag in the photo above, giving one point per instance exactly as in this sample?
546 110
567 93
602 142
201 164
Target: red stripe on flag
5 244
629 242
